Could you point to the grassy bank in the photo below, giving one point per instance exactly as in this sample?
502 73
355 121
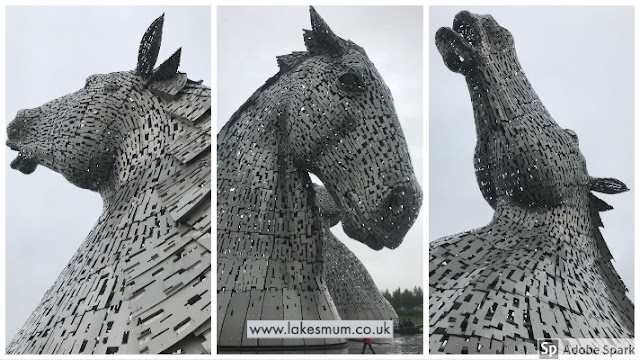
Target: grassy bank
415 316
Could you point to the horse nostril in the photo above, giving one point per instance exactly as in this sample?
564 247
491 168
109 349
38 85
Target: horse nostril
13 130
396 201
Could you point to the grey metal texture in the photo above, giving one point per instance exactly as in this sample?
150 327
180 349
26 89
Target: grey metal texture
140 282
327 112
541 268
351 287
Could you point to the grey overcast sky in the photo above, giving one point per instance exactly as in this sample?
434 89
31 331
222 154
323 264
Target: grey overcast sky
250 38
49 53
580 61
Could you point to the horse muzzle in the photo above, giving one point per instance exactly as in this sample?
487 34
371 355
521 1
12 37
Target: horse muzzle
18 134
390 220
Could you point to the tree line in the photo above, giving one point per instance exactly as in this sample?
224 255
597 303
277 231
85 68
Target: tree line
404 299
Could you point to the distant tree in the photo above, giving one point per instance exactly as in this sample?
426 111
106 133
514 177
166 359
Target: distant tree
397 299
407 299
404 299
417 297
387 295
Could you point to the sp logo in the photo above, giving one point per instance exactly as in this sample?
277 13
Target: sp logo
548 348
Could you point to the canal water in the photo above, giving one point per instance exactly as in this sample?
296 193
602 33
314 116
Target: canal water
400 344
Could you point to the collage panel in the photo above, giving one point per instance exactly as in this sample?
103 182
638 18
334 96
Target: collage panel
311 134
541 259
321 194
124 268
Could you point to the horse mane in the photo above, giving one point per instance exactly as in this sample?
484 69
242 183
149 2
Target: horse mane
611 276
186 193
189 102
286 64
250 101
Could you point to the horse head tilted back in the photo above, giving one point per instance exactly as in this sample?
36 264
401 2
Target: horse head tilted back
85 136
513 127
540 268
341 125
142 139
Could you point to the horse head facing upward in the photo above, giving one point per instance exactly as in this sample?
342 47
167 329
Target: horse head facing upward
513 126
546 220
341 125
141 139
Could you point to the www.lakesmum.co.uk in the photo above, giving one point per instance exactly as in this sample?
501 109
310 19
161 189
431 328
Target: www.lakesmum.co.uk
319 328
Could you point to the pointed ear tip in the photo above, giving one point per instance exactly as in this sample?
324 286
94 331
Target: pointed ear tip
314 14
623 187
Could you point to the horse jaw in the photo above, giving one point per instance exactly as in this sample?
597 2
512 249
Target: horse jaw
24 164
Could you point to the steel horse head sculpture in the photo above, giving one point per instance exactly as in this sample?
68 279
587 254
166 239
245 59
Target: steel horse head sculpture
541 268
327 112
140 282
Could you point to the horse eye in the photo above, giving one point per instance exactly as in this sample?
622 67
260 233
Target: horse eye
351 81
571 133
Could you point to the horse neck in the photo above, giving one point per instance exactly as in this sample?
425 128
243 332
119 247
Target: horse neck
502 94
567 222
260 188
140 158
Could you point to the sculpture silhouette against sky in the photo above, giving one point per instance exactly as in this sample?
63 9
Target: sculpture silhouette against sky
540 269
140 282
326 112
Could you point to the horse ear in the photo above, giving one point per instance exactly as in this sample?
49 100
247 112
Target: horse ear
167 69
150 47
287 62
598 204
607 185
321 39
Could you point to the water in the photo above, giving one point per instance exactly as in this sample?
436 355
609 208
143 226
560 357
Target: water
400 344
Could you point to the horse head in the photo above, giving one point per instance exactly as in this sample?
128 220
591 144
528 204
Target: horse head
87 136
141 139
341 125
473 40
532 172
522 156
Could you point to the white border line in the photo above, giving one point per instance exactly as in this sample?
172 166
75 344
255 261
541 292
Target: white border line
426 40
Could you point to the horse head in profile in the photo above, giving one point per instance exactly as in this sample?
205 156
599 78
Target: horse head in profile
329 113
142 140
342 127
533 174
90 136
